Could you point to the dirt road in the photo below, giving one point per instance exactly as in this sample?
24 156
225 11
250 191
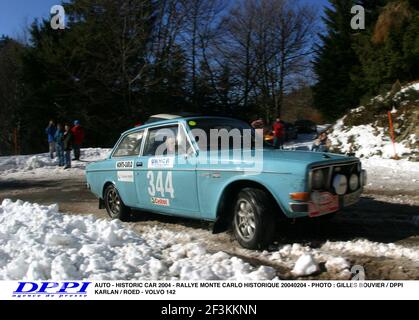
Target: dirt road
383 217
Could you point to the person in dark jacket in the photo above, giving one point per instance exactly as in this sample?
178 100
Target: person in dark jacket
78 134
50 131
59 144
68 145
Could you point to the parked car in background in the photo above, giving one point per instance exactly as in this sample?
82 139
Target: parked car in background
305 126
250 195
291 132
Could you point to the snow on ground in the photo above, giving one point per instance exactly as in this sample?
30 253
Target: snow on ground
305 265
37 242
394 175
364 247
42 166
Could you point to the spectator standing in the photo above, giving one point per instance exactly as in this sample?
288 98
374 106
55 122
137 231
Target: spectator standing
322 143
279 134
50 131
59 144
68 145
78 134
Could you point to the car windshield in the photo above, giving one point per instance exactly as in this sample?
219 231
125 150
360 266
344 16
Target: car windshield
224 133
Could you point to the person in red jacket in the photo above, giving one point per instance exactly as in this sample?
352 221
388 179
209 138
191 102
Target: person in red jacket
279 134
78 135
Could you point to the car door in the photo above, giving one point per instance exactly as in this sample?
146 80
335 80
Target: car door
123 160
167 182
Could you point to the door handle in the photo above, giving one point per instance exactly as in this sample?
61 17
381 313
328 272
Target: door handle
139 164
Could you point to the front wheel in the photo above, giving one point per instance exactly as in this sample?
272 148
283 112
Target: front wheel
114 205
254 222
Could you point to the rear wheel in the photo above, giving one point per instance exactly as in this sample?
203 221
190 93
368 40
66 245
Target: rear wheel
114 205
254 222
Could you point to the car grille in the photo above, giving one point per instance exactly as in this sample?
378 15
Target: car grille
330 171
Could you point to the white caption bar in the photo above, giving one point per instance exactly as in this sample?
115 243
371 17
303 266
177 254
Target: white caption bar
207 290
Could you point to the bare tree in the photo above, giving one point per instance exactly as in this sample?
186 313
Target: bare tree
268 43
199 32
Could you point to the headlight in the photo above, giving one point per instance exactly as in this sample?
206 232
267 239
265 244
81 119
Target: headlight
340 183
353 182
317 180
363 177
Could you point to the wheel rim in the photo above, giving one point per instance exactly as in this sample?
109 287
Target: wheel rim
114 202
245 220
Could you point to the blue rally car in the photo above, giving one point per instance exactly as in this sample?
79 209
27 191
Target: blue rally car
216 169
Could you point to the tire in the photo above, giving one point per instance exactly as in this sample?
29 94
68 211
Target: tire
114 206
253 219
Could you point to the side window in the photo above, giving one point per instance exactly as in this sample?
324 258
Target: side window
165 141
130 145
184 147
161 141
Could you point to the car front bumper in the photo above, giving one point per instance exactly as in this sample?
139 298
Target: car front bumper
322 203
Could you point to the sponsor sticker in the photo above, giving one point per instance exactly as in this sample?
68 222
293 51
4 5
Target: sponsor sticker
126 176
161 163
324 203
160 202
121 165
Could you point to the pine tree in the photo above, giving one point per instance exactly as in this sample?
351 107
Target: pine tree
336 60
389 49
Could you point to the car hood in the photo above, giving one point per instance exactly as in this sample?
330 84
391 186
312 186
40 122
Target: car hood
272 160
306 157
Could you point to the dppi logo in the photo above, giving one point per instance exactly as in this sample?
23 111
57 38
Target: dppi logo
64 289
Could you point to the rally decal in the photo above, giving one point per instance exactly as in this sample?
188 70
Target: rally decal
121 165
126 176
160 202
323 203
160 183
161 163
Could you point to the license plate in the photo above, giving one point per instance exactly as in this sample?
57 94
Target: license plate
326 203
352 198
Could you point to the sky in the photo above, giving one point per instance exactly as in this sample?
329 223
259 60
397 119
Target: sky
16 14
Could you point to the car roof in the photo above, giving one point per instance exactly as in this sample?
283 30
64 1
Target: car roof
166 116
175 120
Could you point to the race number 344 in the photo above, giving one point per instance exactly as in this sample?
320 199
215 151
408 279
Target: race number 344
156 185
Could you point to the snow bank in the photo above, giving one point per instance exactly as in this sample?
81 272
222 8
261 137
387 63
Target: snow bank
372 249
41 165
38 243
371 139
365 141
414 86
